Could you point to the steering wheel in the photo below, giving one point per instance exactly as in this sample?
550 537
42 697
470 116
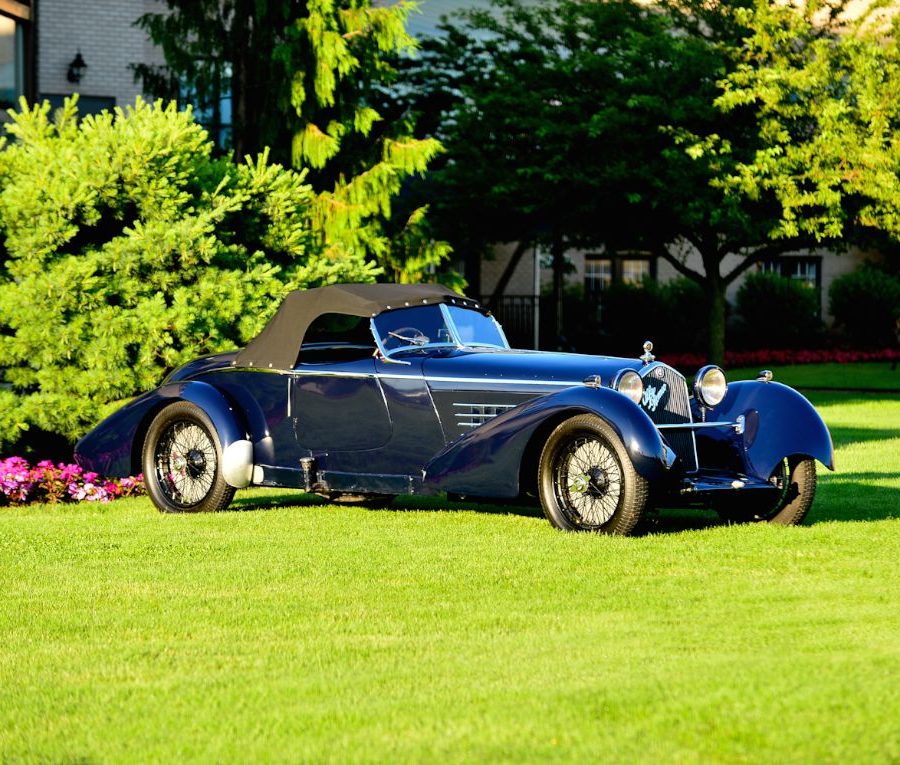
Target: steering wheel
410 335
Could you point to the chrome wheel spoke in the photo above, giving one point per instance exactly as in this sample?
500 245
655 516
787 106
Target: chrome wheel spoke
588 482
186 463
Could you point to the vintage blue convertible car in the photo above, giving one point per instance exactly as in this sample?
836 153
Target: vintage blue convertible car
360 392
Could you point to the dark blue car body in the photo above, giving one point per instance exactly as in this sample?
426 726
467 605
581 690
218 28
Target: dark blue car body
465 420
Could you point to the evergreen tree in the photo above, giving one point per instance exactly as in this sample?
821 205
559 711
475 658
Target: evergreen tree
130 249
308 80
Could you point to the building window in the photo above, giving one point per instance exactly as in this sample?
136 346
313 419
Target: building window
597 274
212 108
635 270
806 270
12 62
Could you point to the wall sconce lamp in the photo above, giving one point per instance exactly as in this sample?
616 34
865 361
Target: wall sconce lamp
76 68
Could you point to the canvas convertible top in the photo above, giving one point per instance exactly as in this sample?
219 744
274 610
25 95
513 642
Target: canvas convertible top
278 345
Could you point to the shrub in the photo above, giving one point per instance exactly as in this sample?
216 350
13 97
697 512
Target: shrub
672 315
129 250
776 312
866 305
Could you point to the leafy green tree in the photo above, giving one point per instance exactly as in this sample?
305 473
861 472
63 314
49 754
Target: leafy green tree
130 249
682 127
307 79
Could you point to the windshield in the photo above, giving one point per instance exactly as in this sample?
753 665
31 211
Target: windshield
474 328
436 326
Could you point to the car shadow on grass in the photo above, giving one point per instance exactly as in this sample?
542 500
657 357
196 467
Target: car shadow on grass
842 497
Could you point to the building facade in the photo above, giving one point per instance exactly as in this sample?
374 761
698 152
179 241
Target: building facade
50 49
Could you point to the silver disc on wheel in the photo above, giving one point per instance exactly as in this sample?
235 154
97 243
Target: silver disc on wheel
185 460
588 482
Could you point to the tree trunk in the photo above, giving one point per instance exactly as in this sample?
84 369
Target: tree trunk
241 78
715 292
559 264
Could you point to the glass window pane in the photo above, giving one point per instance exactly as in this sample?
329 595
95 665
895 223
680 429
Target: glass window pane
634 271
474 328
597 274
805 271
411 328
11 86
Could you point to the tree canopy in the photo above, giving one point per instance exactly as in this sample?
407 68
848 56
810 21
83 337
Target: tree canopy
722 129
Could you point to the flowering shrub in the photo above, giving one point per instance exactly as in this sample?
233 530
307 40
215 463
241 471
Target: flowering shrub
764 358
45 482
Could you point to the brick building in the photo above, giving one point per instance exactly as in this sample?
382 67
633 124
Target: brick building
50 49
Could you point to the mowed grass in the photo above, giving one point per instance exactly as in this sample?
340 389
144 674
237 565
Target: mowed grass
436 632
874 375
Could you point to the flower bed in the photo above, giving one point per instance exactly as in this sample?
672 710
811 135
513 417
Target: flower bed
765 358
20 483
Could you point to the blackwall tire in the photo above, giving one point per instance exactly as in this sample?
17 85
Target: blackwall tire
798 475
586 480
182 462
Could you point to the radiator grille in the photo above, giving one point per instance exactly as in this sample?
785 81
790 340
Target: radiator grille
670 406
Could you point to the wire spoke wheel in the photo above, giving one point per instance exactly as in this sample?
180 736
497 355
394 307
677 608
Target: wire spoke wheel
185 463
587 482
586 479
182 461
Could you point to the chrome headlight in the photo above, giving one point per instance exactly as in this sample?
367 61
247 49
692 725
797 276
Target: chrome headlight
629 383
710 385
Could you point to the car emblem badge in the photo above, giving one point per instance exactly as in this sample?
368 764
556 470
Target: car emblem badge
654 396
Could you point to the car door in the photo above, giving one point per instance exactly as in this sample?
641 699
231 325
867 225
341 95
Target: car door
339 407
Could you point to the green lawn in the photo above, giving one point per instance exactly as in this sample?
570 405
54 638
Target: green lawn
433 632
871 375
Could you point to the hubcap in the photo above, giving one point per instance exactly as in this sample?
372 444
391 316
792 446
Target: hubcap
185 459
587 481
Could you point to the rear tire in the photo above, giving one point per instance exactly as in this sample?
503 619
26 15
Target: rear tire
182 461
586 480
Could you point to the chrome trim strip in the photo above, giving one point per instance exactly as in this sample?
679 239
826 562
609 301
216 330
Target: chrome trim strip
697 425
492 406
388 376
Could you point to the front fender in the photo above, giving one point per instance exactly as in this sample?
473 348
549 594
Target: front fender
779 423
486 461
112 447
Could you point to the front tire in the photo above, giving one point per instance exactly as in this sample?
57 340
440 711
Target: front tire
586 480
797 476
182 461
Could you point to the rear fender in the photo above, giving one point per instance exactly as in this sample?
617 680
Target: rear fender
486 461
113 448
778 422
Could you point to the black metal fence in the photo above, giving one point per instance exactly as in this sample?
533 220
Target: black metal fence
517 315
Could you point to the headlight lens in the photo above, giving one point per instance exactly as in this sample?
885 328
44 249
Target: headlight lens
630 383
710 385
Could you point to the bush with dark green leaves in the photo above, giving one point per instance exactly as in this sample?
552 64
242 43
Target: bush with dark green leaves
774 311
866 306
128 248
673 315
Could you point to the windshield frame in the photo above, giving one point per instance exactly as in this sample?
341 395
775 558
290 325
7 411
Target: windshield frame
454 333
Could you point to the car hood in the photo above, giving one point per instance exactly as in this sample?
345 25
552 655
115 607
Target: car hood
521 366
